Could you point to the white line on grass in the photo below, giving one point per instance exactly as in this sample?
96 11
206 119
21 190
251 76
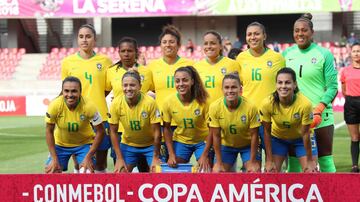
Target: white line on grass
18 135
339 125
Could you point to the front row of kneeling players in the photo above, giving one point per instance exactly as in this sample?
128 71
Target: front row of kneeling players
229 125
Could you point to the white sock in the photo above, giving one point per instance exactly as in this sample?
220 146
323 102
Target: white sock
76 170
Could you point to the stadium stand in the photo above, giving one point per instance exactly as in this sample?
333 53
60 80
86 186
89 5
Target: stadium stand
9 60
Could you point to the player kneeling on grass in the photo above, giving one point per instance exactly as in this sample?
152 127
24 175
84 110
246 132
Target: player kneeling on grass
286 116
68 129
234 122
189 109
140 118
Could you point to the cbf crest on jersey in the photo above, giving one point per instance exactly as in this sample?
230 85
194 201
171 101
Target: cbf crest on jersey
223 70
297 115
197 112
313 60
144 114
99 66
82 117
243 119
269 63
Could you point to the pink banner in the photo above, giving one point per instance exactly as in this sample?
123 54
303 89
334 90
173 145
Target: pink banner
94 8
180 187
12 105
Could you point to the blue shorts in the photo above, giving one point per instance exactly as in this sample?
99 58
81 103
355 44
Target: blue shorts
281 147
314 149
132 154
185 151
106 142
64 154
229 154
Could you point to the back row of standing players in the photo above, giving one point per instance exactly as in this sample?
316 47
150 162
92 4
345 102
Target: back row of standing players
286 115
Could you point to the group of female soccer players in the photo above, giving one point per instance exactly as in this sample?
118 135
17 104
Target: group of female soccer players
215 106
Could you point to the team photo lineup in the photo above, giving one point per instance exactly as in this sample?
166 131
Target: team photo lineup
273 110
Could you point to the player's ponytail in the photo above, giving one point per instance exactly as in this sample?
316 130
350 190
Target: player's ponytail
307 19
198 90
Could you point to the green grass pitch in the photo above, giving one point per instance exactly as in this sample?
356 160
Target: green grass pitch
23 148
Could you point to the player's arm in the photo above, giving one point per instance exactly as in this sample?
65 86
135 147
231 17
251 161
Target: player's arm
203 162
330 74
342 80
310 165
216 132
254 166
307 120
157 139
96 121
54 166
120 165
343 89
169 144
269 162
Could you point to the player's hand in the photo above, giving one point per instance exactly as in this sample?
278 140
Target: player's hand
253 167
53 167
87 164
120 166
204 164
155 162
310 167
317 115
219 167
172 161
270 167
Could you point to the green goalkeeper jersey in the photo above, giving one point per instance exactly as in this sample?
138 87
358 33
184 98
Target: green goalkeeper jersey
316 76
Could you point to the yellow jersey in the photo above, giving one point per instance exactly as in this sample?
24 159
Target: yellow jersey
213 74
92 74
286 121
163 77
258 74
191 120
72 128
136 121
235 125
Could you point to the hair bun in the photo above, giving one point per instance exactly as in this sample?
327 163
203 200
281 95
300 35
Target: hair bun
307 16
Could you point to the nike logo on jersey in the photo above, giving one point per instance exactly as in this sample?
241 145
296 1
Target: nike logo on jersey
291 59
174 112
